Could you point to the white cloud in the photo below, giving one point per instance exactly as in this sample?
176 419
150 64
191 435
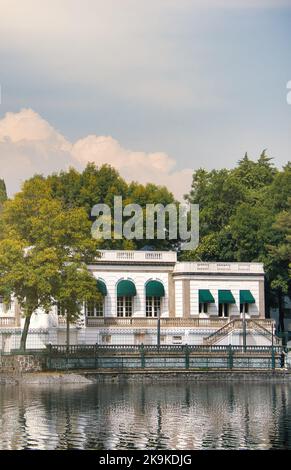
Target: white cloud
28 126
144 167
29 144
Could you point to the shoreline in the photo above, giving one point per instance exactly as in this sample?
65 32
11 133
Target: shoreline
88 377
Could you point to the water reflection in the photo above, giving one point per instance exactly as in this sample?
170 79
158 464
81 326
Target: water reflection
146 416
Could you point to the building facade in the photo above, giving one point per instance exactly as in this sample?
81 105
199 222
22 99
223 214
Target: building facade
196 302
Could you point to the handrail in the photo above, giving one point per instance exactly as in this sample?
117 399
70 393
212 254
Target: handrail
152 322
221 332
222 329
262 329
231 325
95 349
7 321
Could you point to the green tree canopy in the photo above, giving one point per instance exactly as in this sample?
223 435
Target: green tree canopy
244 216
41 239
97 185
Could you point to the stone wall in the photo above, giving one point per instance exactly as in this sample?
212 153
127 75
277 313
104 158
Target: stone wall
17 364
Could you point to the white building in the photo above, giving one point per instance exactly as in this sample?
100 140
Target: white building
197 302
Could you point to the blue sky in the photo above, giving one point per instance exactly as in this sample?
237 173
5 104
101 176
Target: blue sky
158 88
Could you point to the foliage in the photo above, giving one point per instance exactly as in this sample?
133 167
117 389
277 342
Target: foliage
3 193
245 216
99 185
43 244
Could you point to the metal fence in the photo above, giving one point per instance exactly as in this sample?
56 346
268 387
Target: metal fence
198 357
99 348
37 339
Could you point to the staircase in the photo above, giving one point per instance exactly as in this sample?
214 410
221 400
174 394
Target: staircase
252 324
237 324
218 334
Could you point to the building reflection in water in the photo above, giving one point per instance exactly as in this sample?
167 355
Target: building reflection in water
180 415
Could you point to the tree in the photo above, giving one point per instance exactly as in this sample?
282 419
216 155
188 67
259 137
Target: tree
30 275
40 240
243 215
93 186
96 185
3 193
218 194
279 265
252 229
75 286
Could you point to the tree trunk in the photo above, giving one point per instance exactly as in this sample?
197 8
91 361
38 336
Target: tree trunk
68 334
281 311
25 332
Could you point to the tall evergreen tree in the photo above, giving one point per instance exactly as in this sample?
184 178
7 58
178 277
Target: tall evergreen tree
3 192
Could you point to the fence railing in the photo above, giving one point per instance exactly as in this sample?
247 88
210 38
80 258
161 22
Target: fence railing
201 348
164 358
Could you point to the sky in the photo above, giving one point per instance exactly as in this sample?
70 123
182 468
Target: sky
156 88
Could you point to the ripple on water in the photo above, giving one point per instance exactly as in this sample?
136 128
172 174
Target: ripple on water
146 416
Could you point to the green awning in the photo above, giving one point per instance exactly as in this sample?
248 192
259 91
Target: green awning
155 289
101 287
246 297
225 297
126 288
205 297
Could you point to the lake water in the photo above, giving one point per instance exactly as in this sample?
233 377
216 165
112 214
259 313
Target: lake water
146 416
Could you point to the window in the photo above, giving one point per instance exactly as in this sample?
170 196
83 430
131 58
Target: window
203 307
60 309
177 340
124 306
90 309
106 339
153 306
95 309
99 308
5 306
223 310
244 308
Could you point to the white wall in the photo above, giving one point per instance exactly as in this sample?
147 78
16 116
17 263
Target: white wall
111 279
178 298
235 285
7 312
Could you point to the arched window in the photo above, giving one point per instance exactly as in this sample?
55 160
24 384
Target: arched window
126 291
154 293
96 309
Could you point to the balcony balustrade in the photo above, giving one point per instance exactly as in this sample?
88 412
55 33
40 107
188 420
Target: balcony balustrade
133 322
231 268
7 322
114 256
